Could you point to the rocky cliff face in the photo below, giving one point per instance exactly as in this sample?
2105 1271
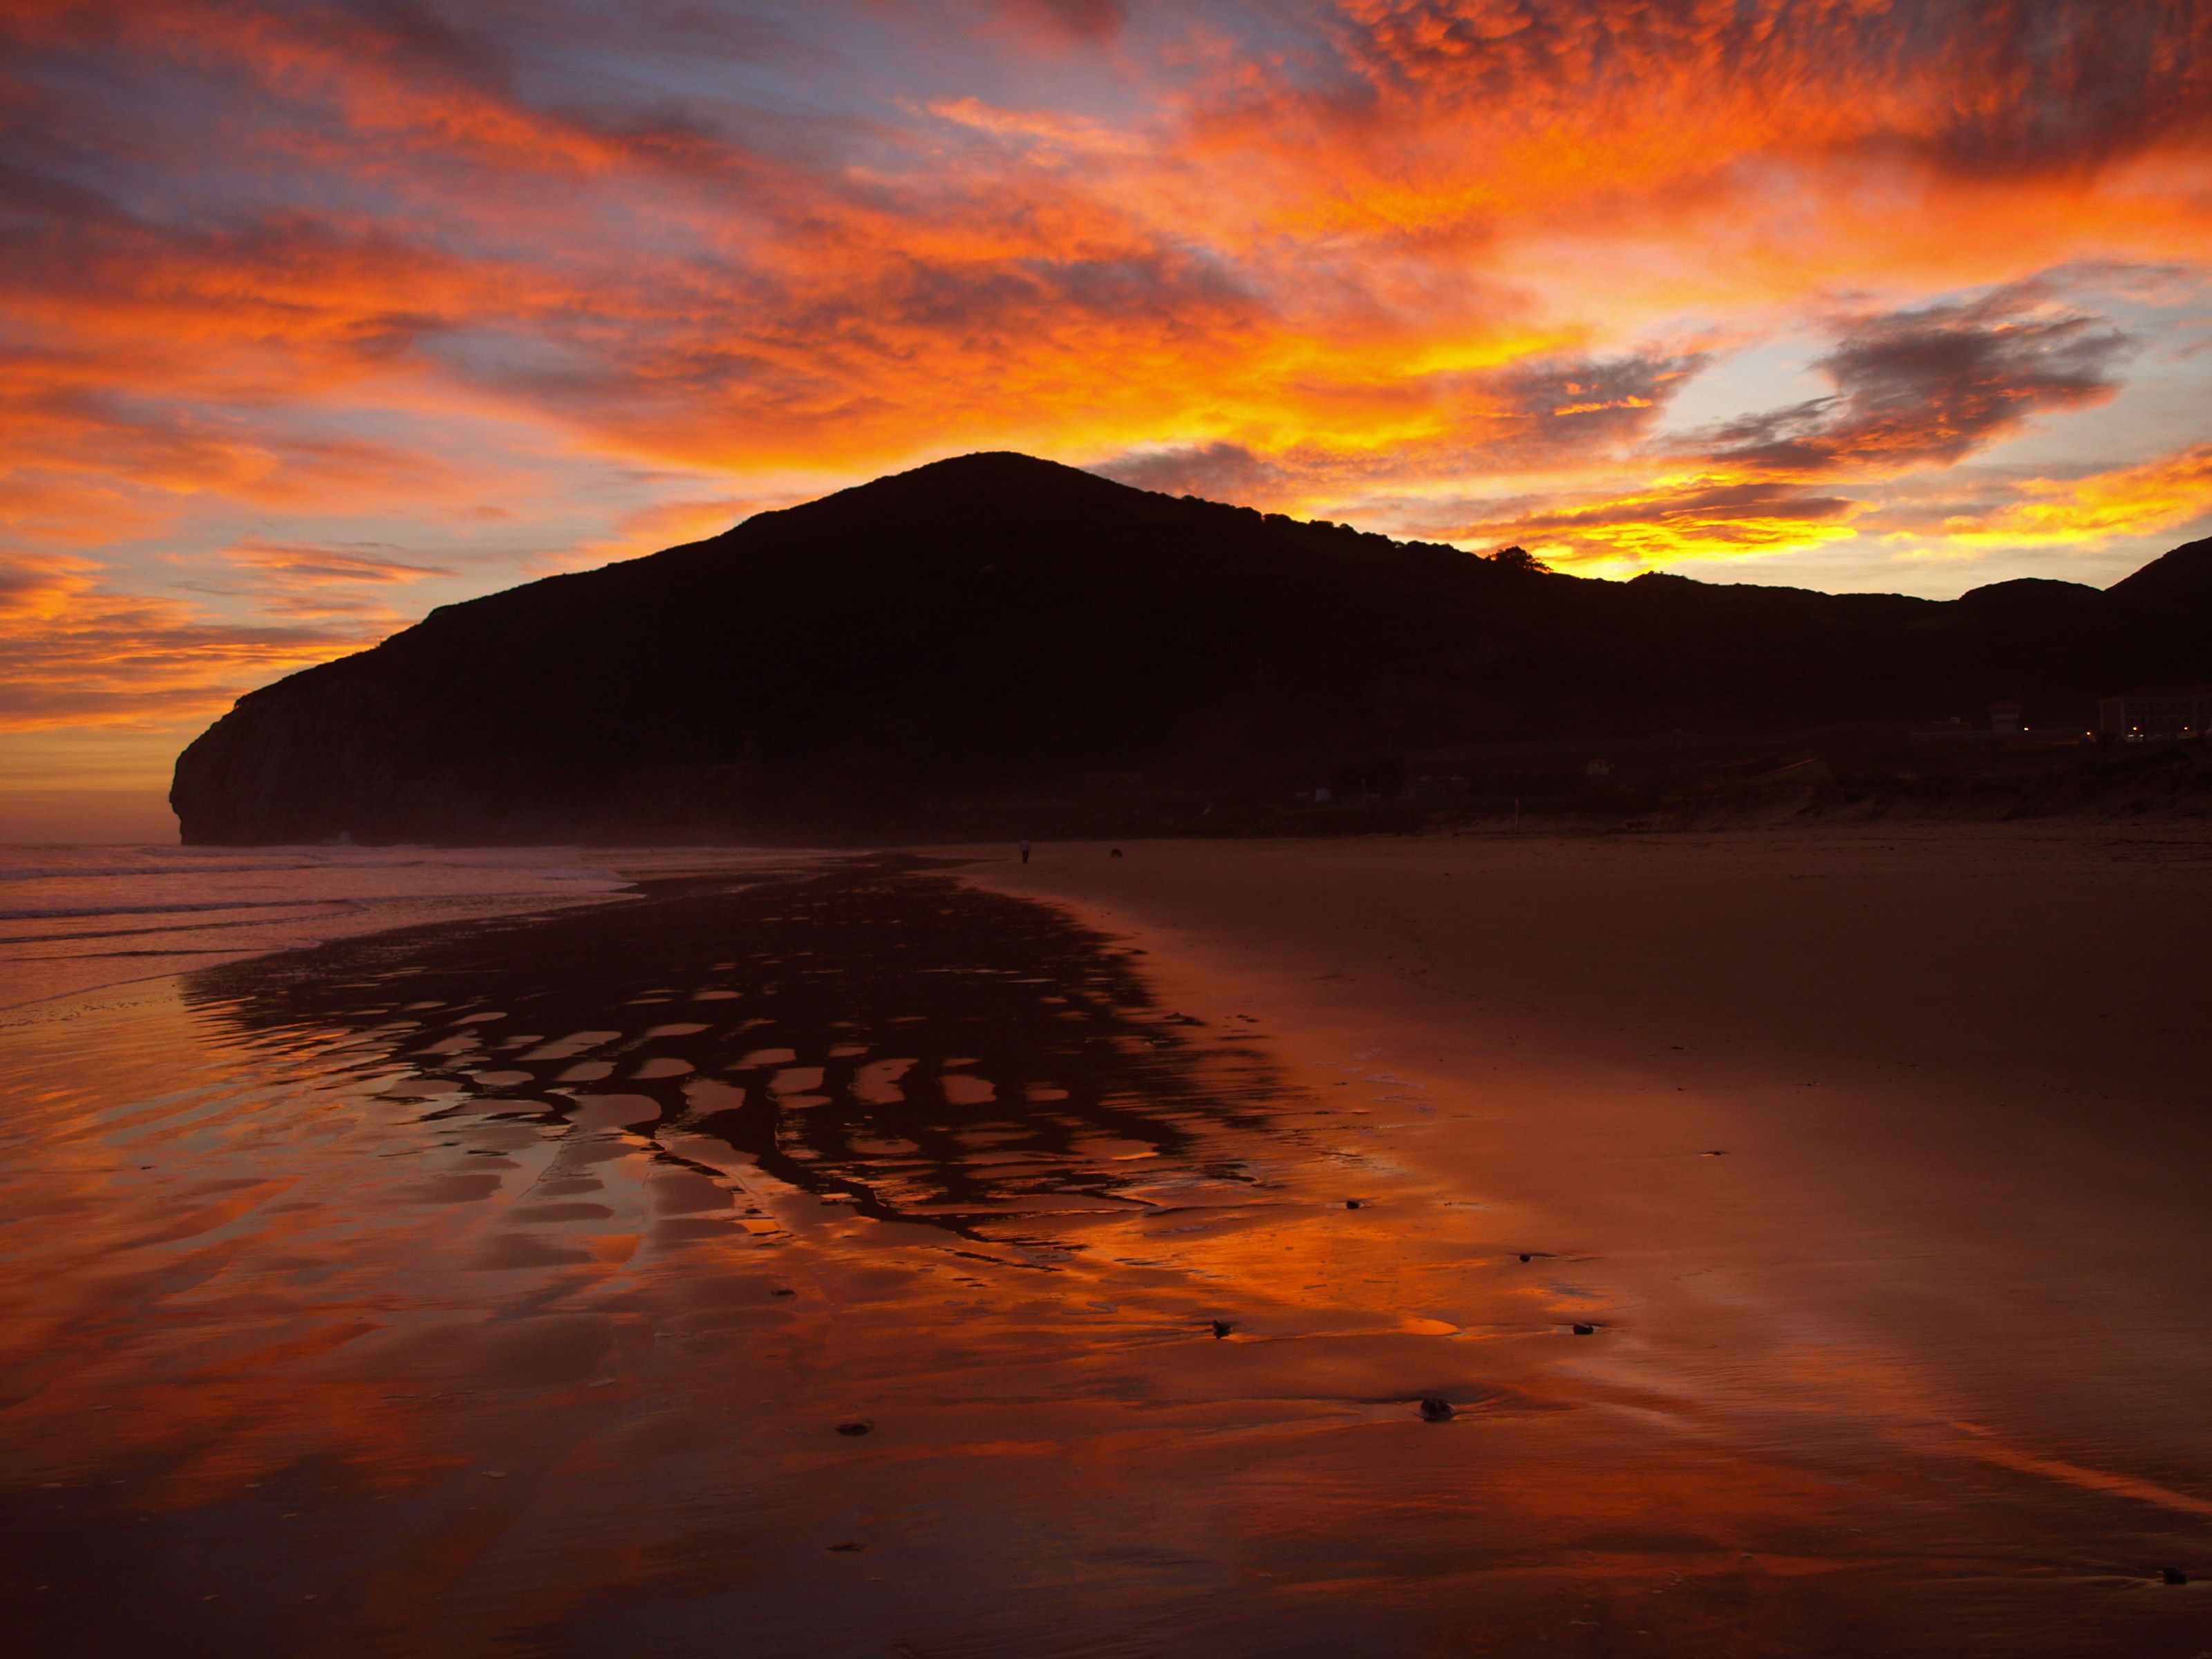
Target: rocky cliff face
995 625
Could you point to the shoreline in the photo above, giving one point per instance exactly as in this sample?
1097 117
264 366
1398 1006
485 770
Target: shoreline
316 918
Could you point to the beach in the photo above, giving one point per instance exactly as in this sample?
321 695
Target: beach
1797 1238
1899 1131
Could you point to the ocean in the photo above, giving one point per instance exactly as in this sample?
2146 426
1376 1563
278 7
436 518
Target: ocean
78 918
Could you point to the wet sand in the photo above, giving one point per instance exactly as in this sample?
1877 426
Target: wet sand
509 1289
1879 1157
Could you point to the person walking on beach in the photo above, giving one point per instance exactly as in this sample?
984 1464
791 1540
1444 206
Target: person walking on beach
1025 852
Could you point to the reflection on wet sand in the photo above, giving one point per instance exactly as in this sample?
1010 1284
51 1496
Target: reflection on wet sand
896 1040
520 1289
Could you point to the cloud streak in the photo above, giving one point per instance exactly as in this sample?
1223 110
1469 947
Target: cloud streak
77 655
1932 386
2161 495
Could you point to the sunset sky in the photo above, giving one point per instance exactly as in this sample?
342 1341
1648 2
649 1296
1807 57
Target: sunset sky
318 314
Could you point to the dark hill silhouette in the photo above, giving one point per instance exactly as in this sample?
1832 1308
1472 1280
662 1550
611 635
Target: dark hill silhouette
2181 577
996 624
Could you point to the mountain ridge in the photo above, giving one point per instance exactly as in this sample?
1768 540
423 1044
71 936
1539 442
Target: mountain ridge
999 622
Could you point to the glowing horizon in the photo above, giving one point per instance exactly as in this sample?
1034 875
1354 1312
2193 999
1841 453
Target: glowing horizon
325 312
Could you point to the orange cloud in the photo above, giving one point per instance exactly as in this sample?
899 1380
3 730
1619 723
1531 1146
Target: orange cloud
2132 501
837 315
311 582
79 656
1592 409
36 589
1657 524
331 564
1444 266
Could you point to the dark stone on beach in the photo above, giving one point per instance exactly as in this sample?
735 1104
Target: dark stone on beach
859 1427
1116 853
783 1292
1585 1330
2174 1576
1351 1203
1438 1410
1221 1329
1525 1257
849 1547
